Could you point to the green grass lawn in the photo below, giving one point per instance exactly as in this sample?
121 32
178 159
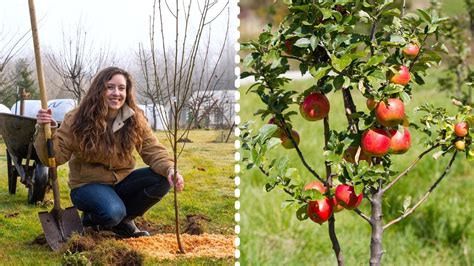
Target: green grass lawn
440 232
206 165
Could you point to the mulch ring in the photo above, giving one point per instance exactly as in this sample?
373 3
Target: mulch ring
165 247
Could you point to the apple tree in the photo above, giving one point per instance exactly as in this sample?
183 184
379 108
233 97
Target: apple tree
373 48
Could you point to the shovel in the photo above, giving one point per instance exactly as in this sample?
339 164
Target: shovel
58 224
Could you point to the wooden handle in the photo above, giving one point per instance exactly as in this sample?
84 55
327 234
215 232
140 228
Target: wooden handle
42 87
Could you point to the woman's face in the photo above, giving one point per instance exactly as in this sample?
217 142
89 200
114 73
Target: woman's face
116 92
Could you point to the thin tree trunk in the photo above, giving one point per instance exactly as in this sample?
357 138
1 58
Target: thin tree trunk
332 221
376 248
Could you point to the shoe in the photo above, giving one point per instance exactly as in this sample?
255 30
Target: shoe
127 228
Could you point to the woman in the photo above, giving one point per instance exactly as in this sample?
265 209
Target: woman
98 138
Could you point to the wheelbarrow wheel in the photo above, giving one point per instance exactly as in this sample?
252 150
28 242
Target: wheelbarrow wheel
38 185
12 175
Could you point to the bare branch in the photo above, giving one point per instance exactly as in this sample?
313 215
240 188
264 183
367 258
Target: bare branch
396 179
425 196
361 214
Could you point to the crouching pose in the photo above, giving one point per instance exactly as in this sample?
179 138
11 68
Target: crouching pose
98 139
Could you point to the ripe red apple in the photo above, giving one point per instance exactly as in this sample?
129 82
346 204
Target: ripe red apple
390 114
371 104
411 50
402 76
350 154
460 145
314 107
345 196
375 142
319 211
286 141
461 129
400 142
321 188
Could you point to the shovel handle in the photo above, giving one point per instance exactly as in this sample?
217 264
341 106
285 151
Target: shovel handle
44 104
41 83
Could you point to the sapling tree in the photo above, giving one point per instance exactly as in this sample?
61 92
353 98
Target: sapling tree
173 73
373 48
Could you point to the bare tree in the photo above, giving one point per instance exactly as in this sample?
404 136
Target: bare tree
77 61
10 46
188 66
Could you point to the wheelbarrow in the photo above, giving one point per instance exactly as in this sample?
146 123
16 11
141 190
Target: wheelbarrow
22 160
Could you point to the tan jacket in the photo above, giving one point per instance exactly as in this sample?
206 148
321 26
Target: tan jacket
103 169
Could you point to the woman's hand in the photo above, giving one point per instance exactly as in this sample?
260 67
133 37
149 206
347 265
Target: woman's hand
44 116
179 180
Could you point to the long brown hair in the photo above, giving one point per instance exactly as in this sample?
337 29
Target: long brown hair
90 123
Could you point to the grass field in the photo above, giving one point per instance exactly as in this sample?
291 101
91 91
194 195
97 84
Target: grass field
441 232
208 170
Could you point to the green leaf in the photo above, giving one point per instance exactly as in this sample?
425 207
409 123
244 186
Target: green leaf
394 12
314 42
266 131
338 82
405 97
327 13
406 203
339 64
358 188
318 72
301 213
375 60
396 38
424 15
302 42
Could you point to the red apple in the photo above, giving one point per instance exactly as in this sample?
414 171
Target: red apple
314 107
351 152
371 103
399 142
402 76
321 188
411 50
461 129
375 142
286 141
460 145
390 114
319 211
316 185
345 196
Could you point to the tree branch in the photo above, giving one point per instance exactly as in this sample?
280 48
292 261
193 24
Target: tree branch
394 181
361 214
425 196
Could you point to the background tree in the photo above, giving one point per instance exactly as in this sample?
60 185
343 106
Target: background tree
22 83
77 61
11 45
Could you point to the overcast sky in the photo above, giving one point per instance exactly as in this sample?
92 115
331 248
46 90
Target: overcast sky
121 24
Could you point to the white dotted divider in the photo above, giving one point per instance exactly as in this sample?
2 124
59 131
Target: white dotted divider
237 155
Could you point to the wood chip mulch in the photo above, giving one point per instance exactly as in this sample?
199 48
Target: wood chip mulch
165 247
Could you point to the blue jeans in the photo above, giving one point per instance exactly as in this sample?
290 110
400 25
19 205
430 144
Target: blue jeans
108 205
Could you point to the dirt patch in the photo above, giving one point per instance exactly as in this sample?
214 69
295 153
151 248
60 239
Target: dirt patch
165 247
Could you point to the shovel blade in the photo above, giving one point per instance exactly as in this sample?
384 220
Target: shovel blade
59 225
